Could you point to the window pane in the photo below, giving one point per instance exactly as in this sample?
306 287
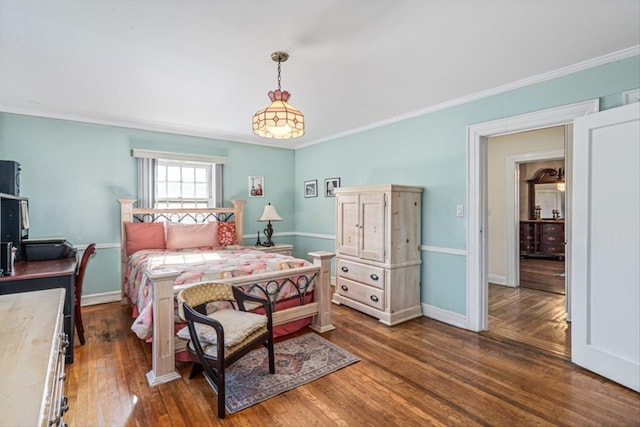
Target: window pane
161 189
173 173
173 190
201 175
187 174
201 191
162 173
188 190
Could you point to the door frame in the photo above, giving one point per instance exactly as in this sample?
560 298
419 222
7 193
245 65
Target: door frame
477 313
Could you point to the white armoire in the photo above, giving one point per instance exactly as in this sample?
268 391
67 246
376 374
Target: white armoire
378 251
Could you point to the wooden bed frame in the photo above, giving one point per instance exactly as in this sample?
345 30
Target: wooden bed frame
163 345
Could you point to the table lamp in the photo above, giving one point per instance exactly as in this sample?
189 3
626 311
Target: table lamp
268 214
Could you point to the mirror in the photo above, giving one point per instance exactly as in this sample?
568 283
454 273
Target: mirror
544 193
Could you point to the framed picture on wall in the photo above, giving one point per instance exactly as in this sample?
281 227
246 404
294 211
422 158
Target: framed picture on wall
256 186
311 188
329 185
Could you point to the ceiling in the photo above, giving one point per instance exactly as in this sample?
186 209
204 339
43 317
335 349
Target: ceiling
204 67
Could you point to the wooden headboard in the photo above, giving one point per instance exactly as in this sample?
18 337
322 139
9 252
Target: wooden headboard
129 213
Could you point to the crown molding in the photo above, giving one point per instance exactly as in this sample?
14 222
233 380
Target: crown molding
233 137
580 66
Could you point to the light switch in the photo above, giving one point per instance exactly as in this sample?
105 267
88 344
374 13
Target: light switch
459 210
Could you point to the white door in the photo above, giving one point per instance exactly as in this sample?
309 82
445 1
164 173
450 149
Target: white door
605 245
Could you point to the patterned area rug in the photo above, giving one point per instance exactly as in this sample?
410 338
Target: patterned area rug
299 360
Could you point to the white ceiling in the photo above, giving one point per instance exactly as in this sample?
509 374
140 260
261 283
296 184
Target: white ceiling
204 67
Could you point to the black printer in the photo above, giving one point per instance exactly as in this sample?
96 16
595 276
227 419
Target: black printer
47 249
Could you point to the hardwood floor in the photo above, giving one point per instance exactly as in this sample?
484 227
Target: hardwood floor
419 373
531 318
542 274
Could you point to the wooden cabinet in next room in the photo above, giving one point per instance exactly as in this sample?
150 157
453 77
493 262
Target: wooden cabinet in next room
378 251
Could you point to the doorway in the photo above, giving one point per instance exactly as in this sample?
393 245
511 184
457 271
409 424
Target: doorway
524 171
477 318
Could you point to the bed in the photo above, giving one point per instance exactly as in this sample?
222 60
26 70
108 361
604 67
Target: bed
152 276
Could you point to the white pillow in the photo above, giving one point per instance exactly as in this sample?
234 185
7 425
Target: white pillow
237 325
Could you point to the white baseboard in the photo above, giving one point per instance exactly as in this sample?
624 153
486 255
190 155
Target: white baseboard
498 279
445 316
100 298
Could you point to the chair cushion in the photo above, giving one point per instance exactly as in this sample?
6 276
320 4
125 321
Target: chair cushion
237 326
211 350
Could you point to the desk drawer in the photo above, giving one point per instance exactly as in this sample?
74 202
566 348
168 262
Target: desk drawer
369 275
368 295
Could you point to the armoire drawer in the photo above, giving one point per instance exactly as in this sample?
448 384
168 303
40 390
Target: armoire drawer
368 295
369 275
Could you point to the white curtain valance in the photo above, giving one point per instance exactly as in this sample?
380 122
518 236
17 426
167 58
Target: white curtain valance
165 155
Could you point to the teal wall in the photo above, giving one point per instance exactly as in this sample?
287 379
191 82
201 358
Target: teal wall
430 151
74 172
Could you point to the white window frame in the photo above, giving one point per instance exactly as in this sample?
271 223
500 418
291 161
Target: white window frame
183 201
147 176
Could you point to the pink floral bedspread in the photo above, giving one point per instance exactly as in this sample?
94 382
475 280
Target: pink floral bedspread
197 265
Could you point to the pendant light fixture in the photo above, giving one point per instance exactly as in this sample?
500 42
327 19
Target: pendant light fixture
279 120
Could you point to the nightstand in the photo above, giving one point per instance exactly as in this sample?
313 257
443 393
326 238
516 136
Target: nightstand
279 249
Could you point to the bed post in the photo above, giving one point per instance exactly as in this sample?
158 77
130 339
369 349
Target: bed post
238 208
126 215
322 293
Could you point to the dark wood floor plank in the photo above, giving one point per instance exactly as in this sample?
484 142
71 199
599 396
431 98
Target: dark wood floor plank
421 372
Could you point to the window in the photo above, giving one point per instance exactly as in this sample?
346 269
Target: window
173 180
183 184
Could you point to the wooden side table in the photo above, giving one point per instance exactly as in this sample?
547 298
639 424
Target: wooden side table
279 249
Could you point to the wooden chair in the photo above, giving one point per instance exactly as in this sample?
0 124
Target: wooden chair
239 330
91 249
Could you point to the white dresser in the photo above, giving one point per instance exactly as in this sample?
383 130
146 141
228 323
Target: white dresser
378 251
32 358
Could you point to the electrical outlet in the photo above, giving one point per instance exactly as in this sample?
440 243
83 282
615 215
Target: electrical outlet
459 210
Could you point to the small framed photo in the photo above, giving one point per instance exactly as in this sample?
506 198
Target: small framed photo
329 185
256 186
311 188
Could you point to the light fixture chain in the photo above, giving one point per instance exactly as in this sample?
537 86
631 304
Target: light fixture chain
278 74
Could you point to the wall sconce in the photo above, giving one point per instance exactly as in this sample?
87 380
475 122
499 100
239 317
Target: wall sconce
268 214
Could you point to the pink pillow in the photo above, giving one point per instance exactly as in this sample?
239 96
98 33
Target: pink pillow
143 235
227 233
182 236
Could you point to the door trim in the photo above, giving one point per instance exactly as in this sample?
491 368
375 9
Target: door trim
477 289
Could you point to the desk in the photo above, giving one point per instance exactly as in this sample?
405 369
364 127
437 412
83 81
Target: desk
39 275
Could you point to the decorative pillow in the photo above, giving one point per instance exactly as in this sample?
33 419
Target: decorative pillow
227 233
183 236
143 235
237 325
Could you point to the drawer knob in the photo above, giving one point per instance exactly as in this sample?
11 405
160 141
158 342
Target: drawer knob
374 277
344 288
374 298
344 269
64 405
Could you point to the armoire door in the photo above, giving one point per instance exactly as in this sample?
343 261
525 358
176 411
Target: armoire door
372 224
347 225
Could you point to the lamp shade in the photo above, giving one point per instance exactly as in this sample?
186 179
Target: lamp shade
279 120
270 214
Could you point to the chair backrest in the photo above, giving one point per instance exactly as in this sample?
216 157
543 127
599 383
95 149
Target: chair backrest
81 269
202 293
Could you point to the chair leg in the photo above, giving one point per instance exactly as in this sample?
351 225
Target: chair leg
196 369
221 392
272 358
79 325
